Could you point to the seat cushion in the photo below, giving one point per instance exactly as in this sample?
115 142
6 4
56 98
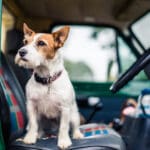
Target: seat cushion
96 137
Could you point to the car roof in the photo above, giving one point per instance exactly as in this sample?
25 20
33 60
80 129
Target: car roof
115 12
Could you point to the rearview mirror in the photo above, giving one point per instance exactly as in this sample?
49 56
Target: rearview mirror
140 29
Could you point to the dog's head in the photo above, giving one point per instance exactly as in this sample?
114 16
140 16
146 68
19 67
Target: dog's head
39 46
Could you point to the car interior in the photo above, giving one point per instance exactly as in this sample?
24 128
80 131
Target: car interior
107 57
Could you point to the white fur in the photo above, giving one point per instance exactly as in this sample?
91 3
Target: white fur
54 100
34 58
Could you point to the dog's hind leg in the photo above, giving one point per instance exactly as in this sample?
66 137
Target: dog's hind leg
40 133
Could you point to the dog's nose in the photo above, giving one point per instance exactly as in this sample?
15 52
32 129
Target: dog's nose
22 52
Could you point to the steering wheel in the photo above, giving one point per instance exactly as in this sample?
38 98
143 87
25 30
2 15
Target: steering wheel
140 64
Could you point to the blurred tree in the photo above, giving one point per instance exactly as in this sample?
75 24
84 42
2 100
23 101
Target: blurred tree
78 71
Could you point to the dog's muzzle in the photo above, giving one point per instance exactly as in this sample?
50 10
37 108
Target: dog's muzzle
22 52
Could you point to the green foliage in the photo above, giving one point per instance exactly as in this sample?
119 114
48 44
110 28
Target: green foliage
78 71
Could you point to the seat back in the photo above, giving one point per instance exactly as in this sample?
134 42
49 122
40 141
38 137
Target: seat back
4 114
13 100
16 36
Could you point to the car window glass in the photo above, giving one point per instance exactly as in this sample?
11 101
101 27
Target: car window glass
90 53
127 58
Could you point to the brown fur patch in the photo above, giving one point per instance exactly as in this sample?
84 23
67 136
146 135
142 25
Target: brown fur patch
48 50
60 36
28 39
51 41
27 30
28 34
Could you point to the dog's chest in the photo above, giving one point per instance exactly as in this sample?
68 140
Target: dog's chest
49 105
47 100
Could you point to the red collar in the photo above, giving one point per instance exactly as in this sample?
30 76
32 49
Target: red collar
47 80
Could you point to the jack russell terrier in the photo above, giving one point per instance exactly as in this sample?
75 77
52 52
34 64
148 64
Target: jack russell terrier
49 91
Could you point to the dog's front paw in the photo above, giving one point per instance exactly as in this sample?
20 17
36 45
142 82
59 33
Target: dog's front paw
64 143
77 135
30 138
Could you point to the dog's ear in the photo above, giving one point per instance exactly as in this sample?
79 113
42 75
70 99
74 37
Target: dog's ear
27 30
60 36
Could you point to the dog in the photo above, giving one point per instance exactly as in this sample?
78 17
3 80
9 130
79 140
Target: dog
49 91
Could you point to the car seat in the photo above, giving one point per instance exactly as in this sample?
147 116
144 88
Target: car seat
16 36
12 99
12 103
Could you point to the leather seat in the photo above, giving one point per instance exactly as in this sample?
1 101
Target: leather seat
12 103
103 143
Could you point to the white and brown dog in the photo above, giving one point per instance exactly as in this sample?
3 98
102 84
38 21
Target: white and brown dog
49 91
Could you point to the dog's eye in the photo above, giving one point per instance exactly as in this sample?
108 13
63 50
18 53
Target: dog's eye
41 43
25 42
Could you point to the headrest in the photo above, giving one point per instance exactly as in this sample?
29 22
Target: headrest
14 39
